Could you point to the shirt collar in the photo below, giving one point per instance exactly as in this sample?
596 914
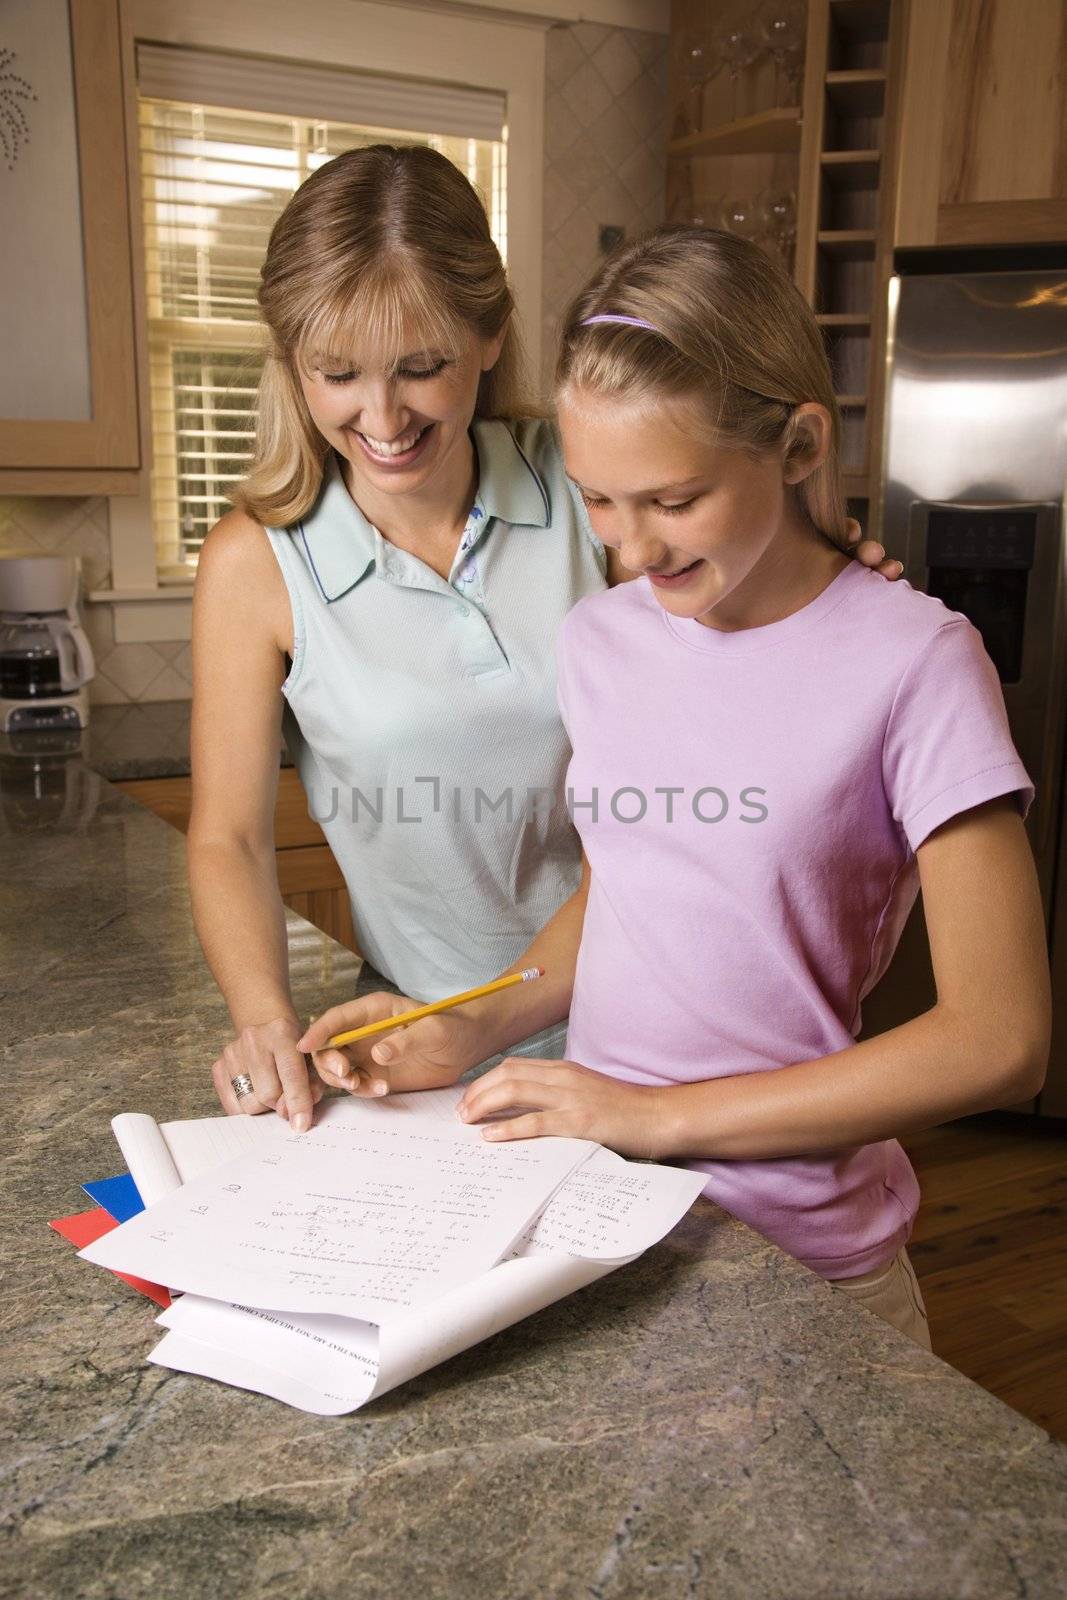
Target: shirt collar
342 546
508 486
338 540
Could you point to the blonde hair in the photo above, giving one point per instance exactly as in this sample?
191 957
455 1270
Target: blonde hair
392 241
731 327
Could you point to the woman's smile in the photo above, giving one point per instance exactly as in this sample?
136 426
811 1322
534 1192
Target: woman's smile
397 453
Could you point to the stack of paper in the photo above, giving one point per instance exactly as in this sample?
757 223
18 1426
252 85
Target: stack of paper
328 1267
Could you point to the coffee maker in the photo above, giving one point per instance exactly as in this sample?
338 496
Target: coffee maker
45 658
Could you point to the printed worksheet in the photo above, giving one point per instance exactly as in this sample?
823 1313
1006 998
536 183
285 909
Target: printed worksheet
369 1221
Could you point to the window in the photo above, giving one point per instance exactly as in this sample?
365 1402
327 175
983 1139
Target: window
213 182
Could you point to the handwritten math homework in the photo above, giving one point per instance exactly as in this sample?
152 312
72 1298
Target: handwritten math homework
361 1222
593 1212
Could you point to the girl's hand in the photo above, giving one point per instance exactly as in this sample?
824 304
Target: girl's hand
424 1055
568 1100
268 1054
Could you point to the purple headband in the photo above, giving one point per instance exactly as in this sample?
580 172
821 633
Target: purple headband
632 322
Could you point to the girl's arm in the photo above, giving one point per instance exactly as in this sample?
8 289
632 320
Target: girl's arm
529 1007
439 1049
239 606
984 1043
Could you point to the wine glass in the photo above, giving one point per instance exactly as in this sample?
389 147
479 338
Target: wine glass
781 28
696 71
794 70
777 213
706 213
739 215
737 48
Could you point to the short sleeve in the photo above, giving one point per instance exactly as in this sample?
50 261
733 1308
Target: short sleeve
947 745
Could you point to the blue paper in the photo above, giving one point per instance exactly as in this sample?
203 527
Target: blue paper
118 1196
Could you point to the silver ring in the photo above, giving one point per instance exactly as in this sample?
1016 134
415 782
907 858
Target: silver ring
242 1085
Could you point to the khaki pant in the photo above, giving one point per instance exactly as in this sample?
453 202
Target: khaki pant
893 1294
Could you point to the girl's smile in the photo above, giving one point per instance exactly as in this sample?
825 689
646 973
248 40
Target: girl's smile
674 580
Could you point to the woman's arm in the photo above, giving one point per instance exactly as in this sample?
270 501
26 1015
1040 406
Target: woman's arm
983 1044
240 607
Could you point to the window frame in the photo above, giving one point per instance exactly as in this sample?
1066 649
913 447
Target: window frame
168 337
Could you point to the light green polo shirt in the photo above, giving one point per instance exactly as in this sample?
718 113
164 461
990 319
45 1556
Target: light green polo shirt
421 713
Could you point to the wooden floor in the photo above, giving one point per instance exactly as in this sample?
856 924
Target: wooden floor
990 1251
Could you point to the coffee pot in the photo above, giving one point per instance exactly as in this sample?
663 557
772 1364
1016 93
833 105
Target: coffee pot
45 658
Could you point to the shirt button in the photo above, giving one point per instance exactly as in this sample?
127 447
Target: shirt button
464 611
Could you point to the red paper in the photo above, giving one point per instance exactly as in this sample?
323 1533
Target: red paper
85 1226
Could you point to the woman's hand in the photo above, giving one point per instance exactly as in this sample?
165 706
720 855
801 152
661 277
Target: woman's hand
571 1101
425 1055
268 1054
869 553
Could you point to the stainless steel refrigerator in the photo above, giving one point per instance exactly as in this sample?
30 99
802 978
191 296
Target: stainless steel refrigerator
973 504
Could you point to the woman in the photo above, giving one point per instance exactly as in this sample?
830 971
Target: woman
401 555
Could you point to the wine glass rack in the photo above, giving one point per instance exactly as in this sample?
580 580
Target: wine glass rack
837 150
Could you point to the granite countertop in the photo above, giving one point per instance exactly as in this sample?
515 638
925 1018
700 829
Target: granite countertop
143 740
710 1422
148 739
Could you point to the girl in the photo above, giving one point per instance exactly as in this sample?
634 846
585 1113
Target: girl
772 752
405 546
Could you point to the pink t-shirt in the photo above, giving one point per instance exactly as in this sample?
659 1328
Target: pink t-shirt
751 804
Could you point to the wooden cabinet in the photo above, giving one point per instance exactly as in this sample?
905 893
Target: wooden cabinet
921 122
69 420
983 156
850 125
308 876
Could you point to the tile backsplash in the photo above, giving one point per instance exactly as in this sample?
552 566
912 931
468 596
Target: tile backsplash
605 160
605 153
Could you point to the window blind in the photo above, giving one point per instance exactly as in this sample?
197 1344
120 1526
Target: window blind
213 181
322 94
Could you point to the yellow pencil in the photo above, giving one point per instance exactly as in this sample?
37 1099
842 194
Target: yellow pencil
387 1024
